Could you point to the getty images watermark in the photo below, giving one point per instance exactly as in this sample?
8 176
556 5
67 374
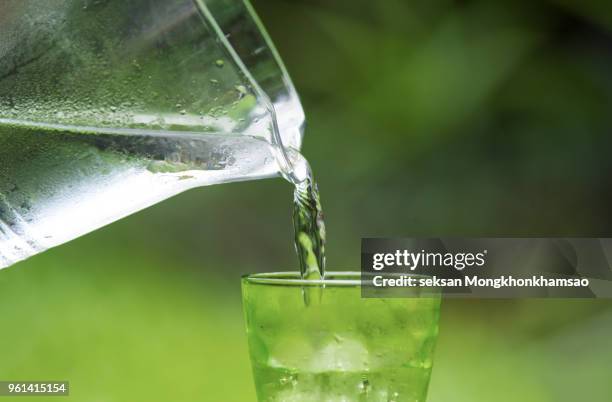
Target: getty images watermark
487 267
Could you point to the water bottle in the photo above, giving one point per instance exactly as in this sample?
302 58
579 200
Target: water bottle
110 106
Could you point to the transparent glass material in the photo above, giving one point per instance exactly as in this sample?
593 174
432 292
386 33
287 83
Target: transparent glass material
110 106
338 346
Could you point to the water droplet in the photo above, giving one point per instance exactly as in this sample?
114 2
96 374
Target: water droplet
364 386
242 90
219 63
290 379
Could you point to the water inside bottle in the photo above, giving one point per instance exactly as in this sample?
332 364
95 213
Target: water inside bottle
58 183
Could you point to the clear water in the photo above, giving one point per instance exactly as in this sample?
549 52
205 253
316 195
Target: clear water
56 185
308 222
309 227
393 384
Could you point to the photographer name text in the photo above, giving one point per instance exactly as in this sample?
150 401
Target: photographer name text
509 281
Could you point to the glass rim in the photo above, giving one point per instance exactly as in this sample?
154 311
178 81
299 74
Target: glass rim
292 278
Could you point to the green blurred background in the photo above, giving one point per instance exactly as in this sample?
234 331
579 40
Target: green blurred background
424 118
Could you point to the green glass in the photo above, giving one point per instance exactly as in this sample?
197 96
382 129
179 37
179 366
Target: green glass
321 341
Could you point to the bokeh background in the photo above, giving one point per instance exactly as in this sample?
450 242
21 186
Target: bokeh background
424 118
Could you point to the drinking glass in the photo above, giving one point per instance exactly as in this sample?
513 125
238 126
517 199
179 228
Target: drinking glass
335 345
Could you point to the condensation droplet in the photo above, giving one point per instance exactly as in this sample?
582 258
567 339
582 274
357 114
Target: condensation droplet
364 386
242 90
